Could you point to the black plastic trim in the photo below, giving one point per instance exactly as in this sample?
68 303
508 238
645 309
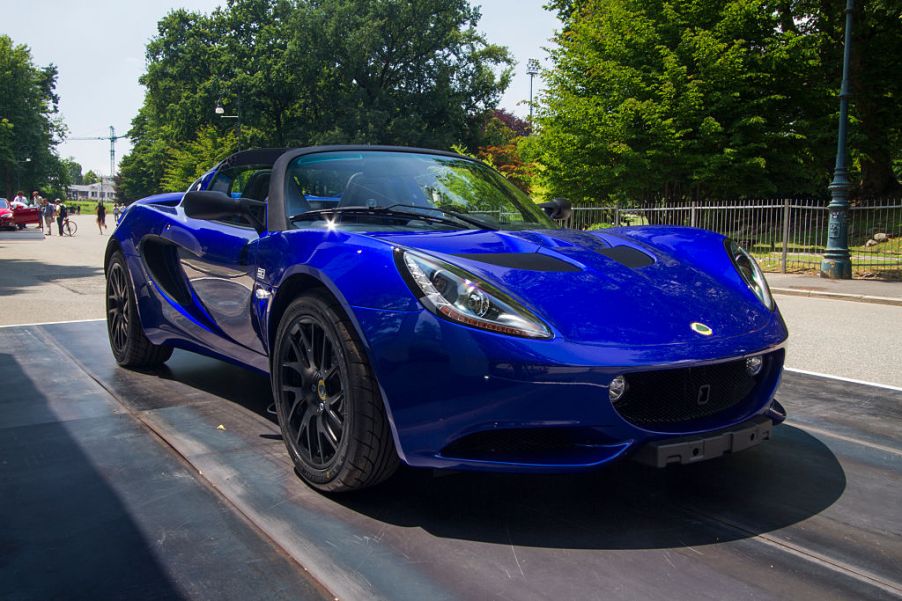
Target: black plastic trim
627 256
524 261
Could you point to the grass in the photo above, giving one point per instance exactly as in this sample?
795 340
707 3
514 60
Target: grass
87 206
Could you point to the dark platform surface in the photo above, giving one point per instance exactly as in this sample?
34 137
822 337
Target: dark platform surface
92 506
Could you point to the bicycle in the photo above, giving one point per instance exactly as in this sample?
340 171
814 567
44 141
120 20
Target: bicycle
69 227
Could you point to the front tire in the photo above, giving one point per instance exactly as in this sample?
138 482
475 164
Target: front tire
130 346
330 411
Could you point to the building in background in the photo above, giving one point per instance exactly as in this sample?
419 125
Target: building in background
105 189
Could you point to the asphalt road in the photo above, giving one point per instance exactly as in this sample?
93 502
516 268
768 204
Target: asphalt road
862 341
54 279
812 514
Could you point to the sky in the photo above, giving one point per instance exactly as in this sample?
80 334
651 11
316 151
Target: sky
98 47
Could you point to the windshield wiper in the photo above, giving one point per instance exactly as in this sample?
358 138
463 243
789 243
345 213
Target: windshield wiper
383 211
466 218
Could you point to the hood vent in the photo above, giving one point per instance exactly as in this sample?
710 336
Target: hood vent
524 261
627 256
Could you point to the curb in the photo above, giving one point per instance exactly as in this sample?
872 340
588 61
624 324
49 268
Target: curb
858 298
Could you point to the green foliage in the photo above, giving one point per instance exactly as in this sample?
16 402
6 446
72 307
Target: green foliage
90 177
73 170
191 160
412 72
29 126
655 99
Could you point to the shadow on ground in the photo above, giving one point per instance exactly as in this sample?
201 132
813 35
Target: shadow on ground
17 275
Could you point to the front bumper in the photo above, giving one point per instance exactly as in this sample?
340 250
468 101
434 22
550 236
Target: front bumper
462 398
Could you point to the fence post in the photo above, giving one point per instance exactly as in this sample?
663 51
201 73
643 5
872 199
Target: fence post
617 214
692 213
785 234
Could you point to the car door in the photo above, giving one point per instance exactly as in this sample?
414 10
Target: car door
218 259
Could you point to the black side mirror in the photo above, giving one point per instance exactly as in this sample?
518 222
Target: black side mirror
557 208
205 204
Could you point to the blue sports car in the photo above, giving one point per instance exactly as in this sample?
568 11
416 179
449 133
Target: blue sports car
412 305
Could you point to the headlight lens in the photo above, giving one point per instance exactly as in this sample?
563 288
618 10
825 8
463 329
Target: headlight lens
458 296
751 273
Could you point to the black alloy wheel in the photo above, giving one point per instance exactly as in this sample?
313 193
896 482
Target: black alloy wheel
130 346
330 411
117 308
314 385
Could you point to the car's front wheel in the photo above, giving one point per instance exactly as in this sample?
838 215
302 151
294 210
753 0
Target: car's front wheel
329 406
130 346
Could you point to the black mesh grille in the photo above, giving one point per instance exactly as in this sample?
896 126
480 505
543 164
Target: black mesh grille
676 396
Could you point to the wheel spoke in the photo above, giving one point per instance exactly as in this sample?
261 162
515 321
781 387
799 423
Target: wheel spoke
334 417
305 426
327 434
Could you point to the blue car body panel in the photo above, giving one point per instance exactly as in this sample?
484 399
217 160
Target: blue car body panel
442 381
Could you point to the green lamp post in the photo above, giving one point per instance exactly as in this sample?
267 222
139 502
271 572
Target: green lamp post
837 263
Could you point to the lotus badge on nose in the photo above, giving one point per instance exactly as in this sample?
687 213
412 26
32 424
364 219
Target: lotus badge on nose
700 328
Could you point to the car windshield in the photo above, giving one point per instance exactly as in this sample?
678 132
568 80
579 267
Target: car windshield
3 204
404 191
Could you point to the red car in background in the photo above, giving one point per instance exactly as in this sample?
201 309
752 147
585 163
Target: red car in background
19 217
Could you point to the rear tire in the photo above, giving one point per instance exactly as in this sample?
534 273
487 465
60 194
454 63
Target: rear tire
330 410
130 346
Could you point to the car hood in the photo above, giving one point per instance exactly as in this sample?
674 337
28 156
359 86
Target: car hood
604 288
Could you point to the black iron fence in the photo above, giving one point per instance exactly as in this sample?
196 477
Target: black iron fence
786 235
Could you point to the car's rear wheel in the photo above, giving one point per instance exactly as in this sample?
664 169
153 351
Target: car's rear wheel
130 346
329 406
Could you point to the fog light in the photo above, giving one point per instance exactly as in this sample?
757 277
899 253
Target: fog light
617 389
753 365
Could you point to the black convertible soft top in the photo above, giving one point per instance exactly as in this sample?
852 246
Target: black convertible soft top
255 156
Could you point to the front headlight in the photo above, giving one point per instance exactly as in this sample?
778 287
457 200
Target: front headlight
751 273
451 292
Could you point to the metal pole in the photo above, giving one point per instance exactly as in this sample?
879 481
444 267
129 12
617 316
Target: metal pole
837 263
112 151
239 121
532 69
786 217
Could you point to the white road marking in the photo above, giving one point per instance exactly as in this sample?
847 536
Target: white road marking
842 379
50 323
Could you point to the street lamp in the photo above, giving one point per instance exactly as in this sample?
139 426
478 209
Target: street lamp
837 262
532 69
26 160
219 110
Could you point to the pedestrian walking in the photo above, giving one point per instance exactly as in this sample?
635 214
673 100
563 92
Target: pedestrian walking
61 213
48 212
116 212
101 216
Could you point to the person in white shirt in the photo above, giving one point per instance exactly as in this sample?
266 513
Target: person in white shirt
19 202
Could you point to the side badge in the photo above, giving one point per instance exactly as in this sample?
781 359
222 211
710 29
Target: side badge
261 273
700 328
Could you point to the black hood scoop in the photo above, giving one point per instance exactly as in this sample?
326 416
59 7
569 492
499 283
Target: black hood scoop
524 261
627 256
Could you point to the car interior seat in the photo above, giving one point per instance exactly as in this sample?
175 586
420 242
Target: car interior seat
372 190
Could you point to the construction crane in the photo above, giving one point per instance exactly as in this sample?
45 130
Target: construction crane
112 138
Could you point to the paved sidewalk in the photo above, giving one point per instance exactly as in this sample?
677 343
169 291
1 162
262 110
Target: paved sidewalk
868 291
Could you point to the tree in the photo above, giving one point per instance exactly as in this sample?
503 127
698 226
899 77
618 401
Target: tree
412 72
652 99
29 127
73 170
90 177
188 162
697 99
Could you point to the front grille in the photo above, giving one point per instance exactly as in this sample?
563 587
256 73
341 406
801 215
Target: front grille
677 396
